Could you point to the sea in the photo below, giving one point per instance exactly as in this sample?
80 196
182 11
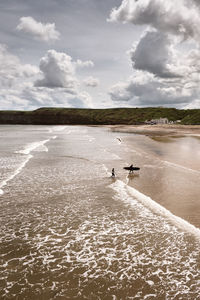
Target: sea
68 230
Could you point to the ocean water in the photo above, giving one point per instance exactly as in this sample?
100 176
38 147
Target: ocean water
70 231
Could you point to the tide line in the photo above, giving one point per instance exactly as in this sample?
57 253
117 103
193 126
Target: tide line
32 146
16 172
158 209
182 167
26 151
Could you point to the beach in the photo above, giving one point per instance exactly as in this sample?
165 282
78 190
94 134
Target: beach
69 230
158 130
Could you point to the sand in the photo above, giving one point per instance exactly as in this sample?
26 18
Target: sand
158 130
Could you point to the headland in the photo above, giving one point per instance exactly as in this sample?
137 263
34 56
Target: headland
111 116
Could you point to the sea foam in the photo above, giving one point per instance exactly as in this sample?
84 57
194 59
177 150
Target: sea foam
32 146
36 146
15 173
124 189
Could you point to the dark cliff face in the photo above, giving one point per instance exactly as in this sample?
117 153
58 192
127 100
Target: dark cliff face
9 117
70 116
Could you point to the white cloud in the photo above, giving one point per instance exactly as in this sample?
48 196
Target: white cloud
180 18
155 53
45 32
84 64
58 70
193 105
166 76
40 97
91 81
144 89
12 72
27 98
17 90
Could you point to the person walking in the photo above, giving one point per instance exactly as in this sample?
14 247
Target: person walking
113 172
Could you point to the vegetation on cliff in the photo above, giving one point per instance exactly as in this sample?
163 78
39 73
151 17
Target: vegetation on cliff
192 118
76 116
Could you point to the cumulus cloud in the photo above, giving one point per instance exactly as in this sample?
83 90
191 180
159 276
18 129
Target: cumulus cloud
163 74
154 53
58 71
144 89
15 77
91 81
179 18
39 97
17 90
12 70
45 32
30 97
83 64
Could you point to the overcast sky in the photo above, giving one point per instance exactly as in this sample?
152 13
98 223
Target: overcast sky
99 53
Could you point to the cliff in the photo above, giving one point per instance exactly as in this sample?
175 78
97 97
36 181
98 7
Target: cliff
75 116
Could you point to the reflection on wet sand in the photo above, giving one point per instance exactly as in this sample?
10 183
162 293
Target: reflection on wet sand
70 231
132 176
170 173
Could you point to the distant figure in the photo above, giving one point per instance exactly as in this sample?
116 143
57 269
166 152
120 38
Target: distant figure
119 140
131 169
113 172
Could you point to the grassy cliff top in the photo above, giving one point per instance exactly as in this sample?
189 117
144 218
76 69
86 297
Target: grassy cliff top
73 116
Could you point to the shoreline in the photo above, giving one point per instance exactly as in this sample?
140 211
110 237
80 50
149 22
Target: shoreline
157 130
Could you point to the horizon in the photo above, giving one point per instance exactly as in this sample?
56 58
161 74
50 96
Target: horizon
99 54
88 108
96 108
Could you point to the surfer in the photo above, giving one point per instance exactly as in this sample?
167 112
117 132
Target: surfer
113 172
131 169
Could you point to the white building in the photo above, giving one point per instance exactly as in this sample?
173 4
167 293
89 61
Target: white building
158 121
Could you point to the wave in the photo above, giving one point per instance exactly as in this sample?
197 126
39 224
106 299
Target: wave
36 146
124 190
32 146
15 173
59 128
76 130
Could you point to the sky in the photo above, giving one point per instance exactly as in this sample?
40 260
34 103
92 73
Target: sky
99 53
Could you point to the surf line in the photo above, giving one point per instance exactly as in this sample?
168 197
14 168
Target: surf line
16 172
32 146
179 166
156 208
26 151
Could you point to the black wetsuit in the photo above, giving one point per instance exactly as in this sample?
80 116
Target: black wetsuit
113 172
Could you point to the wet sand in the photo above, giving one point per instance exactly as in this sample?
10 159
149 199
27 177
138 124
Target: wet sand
158 130
170 166
70 231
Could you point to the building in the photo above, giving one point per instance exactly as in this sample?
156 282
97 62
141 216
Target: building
158 121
